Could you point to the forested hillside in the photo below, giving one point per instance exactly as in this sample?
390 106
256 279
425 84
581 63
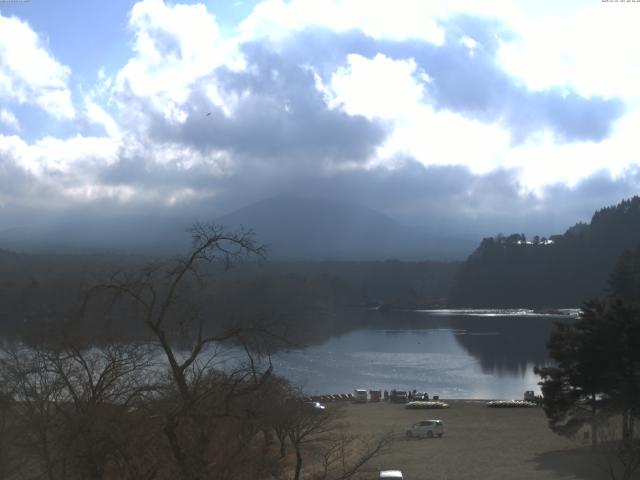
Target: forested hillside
562 270
42 292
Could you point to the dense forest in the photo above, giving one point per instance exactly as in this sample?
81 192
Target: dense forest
562 270
307 300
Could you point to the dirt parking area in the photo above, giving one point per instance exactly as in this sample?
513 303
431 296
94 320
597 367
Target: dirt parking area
479 443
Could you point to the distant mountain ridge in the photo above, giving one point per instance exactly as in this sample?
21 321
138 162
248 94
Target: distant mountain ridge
294 228
564 270
297 228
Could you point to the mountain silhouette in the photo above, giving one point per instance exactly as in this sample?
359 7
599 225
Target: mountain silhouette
302 228
293 228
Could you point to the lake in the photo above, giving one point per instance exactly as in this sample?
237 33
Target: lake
451 353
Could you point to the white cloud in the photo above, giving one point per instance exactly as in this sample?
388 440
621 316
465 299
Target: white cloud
175 46
594 51
591 46
57 103
393 90
470 43
54 160
447 138
82 170
52 173
29 74
99 116
377 87
402 19
542 162
9 119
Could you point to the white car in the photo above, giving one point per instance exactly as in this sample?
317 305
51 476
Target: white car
426 428
315 405
395 474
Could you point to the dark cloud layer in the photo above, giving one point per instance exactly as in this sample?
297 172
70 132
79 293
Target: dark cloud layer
280 116
453 200
443 200
448 200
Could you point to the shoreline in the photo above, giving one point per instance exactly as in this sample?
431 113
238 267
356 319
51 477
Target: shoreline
317 398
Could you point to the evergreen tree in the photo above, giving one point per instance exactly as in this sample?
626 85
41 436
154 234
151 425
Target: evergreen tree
508 271
597 361
575 389
624 281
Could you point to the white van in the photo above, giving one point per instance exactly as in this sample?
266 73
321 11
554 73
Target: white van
360 396
426 428
395 474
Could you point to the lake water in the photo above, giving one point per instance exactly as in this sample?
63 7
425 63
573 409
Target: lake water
455 354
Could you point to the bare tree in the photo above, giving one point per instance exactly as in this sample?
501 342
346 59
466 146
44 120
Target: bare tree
346 455
161 293
309 426
332 451
37 394
7 405
72 405
101 384
167 300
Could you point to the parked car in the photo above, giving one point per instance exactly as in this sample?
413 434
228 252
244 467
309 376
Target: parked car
398 396
426 405
395 474
531 396
426 428
360 396
315 405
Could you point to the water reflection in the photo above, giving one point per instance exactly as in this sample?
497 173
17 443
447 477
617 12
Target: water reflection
452 355
500 340
505 344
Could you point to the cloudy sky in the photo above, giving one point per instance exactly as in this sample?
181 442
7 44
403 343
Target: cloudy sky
475 116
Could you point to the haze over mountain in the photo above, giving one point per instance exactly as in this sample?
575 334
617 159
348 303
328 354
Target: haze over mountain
319 229
293 228
134 234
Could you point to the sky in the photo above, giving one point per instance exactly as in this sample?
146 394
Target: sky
475 117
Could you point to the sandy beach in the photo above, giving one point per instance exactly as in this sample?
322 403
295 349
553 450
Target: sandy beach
479 443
